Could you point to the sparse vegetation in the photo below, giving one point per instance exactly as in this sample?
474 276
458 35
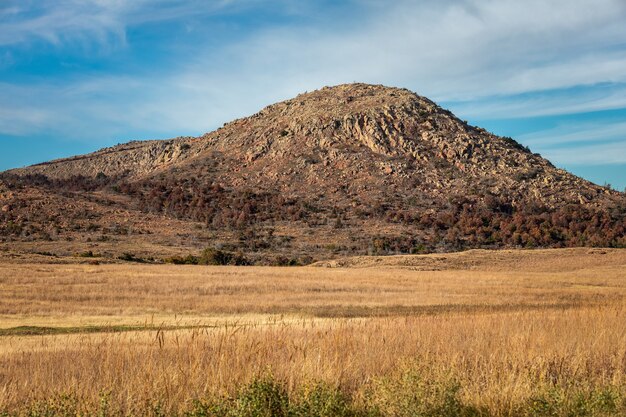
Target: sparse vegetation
491 221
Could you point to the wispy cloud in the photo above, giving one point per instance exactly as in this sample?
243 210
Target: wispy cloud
581 143
555 102
58 21
578 133
54 22
596 154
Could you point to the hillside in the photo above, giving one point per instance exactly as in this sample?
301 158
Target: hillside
349 170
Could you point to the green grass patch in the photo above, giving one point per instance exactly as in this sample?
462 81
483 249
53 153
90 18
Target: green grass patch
43 331
407 394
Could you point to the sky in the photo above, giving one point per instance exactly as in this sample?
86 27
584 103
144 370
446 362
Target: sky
79 75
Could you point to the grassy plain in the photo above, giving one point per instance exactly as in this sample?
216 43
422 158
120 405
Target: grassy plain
501 333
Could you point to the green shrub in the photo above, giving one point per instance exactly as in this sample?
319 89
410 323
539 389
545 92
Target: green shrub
419 249
209 256
213 408
212 256
180 260
410 395
263 398
129 257
284 261
61 406
555 401
323 401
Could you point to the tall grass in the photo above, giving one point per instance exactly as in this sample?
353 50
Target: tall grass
494 363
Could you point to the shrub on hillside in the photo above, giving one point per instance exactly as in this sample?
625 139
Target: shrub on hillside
129 257
182 260
212 256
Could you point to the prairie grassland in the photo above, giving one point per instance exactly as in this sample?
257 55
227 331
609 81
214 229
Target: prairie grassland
475 280
506 337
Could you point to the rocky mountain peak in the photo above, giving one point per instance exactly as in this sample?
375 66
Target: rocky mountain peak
361 136
372 166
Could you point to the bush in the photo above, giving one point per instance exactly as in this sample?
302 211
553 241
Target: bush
284 261
211 256
129 257
411 395
323 401
87 254
262 398
555 401
180 260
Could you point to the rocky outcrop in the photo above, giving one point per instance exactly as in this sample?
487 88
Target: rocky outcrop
132 159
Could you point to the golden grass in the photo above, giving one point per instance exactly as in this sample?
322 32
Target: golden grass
120 292
502 333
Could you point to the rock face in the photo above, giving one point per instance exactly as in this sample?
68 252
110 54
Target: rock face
366 159
130 159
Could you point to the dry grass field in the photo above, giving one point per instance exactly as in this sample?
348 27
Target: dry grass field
479 333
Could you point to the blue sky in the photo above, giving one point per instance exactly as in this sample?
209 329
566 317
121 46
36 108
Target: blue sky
78 75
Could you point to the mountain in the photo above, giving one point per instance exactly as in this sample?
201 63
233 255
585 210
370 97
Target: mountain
345 170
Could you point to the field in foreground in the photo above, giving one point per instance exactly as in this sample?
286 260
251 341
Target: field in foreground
503 333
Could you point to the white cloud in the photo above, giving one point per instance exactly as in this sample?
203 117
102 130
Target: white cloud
547 103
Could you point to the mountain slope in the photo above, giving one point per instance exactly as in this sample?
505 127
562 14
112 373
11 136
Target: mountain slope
350 169
350 132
